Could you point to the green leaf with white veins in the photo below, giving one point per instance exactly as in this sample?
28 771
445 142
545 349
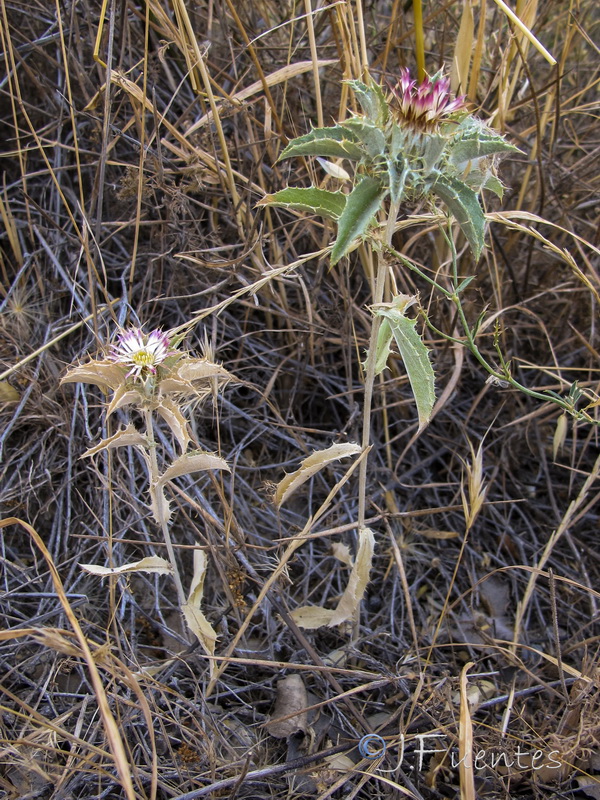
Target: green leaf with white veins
368 134
476 141
311 199
372 100
463 204
412 349
334 142
361 206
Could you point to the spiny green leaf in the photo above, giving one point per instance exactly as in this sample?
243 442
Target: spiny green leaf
398 143
311 199
474 140
465 150
413 352
494 185
361 206
372 100
382 346
477 179
368 134
432 151
463 204
397 172
334 142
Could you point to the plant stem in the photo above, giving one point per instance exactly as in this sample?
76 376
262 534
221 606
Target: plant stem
414 268
158 503
371 362
468 341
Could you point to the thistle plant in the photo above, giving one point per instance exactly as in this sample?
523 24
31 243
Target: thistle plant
413 142
148 372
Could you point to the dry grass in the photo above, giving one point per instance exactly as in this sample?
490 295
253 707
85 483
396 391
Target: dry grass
131 194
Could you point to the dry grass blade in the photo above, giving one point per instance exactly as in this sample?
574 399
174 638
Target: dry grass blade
151 564
459 74
285 558
474 498
466 768
282 75
110 726
567 520
525 31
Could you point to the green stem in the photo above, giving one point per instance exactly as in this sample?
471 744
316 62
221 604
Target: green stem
505 375
469 339
158 502
413 267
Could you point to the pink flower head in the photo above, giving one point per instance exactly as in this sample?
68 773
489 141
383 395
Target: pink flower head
140 351
423 106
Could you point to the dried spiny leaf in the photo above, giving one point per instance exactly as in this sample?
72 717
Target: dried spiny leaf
105 374
195 376
195 461
341 551
359 578
310 466
151 564
193 615
124 438
311 617
172 415
123 397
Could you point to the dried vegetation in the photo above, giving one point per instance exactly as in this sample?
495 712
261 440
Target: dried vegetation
130 194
